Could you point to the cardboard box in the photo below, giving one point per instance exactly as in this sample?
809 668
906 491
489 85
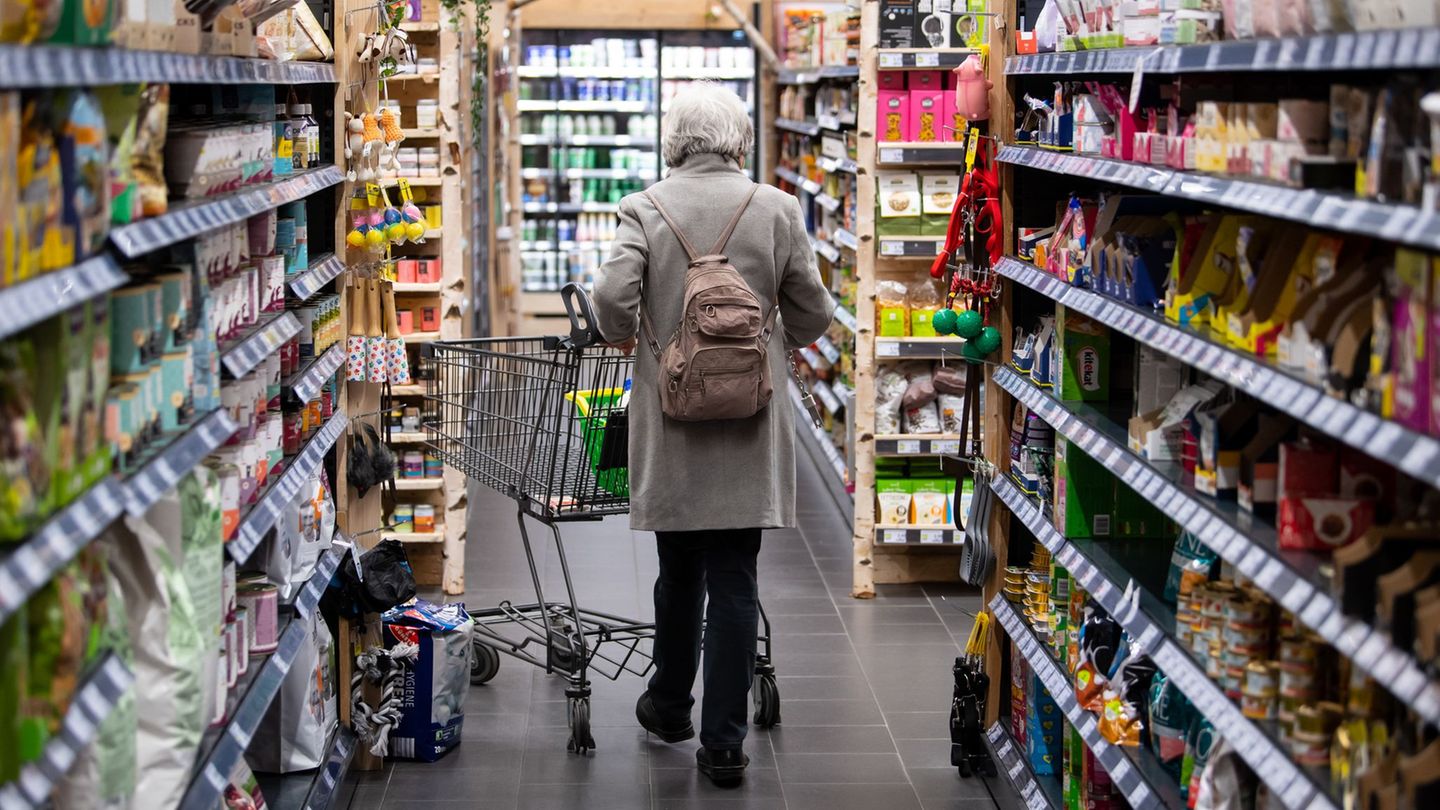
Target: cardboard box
1224 432
1258 490
1084 357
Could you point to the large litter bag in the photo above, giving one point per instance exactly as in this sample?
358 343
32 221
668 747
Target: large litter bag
300 720
436 681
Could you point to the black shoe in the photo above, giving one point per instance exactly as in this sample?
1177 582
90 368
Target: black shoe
650 719
725 768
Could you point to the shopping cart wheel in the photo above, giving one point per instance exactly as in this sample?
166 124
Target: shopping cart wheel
767 700
578 711
484 662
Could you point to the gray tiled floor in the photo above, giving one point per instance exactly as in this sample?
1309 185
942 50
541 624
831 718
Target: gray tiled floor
865 688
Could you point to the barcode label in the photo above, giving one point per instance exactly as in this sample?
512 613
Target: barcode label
1102 525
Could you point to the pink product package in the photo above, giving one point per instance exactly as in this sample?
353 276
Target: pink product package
892 79
927 110
1410 365
925 80
892 113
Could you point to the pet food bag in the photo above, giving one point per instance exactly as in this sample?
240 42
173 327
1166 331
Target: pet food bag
301 536
169 650
436 682
302 717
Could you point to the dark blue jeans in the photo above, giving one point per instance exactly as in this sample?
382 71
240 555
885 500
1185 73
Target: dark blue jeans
692 565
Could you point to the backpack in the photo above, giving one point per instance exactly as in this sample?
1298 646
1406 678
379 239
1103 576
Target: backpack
716 364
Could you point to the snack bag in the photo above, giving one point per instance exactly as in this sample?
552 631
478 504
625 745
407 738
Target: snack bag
892 309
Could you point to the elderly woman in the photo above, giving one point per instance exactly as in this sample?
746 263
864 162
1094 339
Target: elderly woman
707 489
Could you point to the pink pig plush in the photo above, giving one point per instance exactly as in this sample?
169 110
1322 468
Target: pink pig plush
972 90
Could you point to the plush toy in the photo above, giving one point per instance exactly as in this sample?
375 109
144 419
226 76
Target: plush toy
972 90
390 128
373 145
354 144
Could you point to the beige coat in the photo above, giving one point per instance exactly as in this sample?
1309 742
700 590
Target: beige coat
738 474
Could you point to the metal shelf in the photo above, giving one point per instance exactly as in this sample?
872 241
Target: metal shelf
708 73
89 706
833 165
845 318
828 400
189 219
321 272
220 753
921 348
807 127
823 452
586 140
300 468
571 208
812 75
307 382
1149 787
34 300
583 72
30 66
845 239
1264 753
1416 454
912 58
907 535
824 249
26 568
186 449
910 247
795 179
919 154
901 445
827 202
1403 224
1293 579
1360 50
1011 761
616 106
264 340
316 789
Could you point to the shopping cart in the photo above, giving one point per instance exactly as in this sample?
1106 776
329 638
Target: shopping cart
542 420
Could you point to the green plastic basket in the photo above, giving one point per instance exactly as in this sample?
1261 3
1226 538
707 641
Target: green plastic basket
592 432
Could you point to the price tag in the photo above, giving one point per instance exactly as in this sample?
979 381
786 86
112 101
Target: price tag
891 60
908 447
892 155
890 247
945 447
893 536
972 142
924 60
932 536
887 349
827 121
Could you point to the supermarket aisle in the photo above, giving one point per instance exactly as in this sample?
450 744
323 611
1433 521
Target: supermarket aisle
865 689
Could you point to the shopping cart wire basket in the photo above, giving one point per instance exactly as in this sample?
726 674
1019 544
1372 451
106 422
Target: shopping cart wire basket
544 421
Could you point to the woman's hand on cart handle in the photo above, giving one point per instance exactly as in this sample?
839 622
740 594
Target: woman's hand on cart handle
626 346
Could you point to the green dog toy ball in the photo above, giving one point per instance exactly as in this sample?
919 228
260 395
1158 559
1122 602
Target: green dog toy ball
987 341
972 354
968 324
943 321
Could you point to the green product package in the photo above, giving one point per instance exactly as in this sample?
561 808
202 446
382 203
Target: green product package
893 496
1084 493
897 203
938 194
24 476
1084 357
930 498
203 567
1073 783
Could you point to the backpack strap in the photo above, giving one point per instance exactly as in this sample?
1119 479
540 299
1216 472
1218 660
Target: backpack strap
679 234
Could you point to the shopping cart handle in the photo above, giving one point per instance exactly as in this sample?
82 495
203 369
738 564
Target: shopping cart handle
584 332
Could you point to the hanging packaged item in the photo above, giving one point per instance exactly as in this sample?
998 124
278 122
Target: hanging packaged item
301 536
433 707
300 720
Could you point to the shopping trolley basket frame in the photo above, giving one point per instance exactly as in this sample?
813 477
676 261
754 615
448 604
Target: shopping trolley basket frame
542 421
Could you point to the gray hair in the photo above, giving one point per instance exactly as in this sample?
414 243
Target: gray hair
706 118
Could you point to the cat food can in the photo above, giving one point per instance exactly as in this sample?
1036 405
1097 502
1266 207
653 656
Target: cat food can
262 601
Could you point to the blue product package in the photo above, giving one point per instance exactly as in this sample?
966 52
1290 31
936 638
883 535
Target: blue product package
1043 726
436 681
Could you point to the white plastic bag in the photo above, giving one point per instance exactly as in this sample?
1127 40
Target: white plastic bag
890 387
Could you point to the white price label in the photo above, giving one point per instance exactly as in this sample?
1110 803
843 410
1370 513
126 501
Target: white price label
908 447
891 247
924 60
932 536
893 536
945 447
892 155
827 121
891 60
887 349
